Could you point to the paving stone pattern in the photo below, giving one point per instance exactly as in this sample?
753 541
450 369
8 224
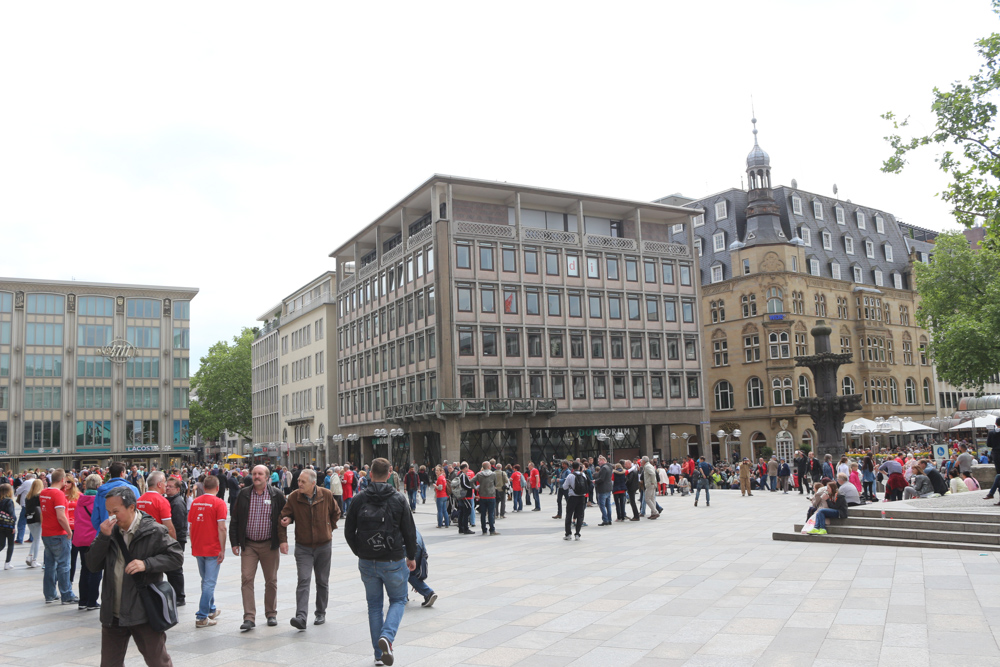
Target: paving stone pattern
699 586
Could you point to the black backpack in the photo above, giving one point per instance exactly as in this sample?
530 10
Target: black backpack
374 530
580 486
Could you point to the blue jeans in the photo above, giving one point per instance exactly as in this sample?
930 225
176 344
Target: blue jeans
208 568
423 491
22 522
604 502
472 511
392 577
444 519
993 490
518 505
413 499
419 586
487 512
821 515
535 493
57 551
699 485
347 504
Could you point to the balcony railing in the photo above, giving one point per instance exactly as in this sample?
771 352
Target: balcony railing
610 242
663 248
463 228
459 407
549 236
346 283
420 238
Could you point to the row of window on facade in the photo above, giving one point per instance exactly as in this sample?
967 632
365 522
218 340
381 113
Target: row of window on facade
871 348
401 353
93 435
537 342
303 368
300 402
388 281
413 310
93 335
94 306
867 307
302 336
97 398
718 272
875 391
635 304
92 366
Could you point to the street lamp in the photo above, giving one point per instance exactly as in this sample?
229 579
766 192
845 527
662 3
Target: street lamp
724 437
602 437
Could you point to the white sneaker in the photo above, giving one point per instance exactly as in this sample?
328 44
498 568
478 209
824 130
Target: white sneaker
35 563
8 566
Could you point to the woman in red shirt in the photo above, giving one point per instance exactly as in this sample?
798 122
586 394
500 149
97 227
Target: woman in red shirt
72 492
441 498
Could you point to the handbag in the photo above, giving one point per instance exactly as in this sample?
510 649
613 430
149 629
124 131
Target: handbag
158 598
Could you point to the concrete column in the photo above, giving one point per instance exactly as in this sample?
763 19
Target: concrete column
658 441
523 436
367 451
451 441
417 448
646 440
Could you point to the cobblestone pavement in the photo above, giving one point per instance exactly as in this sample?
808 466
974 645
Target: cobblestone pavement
699 586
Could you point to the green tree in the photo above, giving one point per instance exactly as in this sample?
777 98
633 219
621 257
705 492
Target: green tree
224 389
960 305
966 126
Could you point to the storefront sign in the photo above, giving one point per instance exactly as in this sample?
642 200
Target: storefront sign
119 351
142 448
779 316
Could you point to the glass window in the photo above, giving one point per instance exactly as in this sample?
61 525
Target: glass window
556 346
593 267
652 308
512 343
101 306
148 308
633 307
485 258
465 299
182 338
45 304
488 303
635 347
614 307
576 347
91 335
687 308
467 384
600 386
597 346
655 351
489 343
553 304
575 305
613 268
530 261
510 301
685 275
617 346
552 263
656 386
558 386
462 258
509 260
531 302
631 269
668 273
466 347
618 384
513 385
669 310
573 266
143 336
649 271
534 344
535 385
595 305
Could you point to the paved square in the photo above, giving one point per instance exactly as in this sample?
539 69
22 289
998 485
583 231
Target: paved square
699 586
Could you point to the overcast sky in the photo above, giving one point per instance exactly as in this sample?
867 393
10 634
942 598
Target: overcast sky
232 146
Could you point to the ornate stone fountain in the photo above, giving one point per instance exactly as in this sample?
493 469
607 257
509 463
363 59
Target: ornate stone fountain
827 409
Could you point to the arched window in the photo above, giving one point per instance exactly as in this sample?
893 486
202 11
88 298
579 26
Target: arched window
778 345
803 386
757 441
749 303
848 385
894 391
911 392
781 390
322 432
284 435
927 392
807 438
724 396
775 300
755 393
923 350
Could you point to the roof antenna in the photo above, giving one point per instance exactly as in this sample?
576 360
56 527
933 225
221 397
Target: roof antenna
753 120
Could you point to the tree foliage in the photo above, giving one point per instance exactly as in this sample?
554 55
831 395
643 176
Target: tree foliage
966 126
223 385
960 305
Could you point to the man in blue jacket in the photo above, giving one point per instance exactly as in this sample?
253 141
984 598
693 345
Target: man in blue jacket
116 478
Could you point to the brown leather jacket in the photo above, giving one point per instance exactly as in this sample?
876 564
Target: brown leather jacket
314 523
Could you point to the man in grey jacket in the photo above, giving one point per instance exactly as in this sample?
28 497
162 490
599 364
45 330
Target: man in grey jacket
152 552
604 485
486 481
649 483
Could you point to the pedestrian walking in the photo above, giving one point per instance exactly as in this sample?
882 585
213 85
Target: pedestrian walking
254 536
57 537
381 533
84 535
418 577
315 514
576 489
702 475
486 483
8 522
207 520
178 516
33 519
152 552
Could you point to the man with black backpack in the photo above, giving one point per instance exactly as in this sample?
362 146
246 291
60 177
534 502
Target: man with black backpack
577 489
381 533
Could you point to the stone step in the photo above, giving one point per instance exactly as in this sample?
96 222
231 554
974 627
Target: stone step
910 533
876 510
882 541
921 524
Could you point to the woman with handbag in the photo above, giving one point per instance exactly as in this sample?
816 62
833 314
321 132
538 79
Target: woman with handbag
8 522
32 506
83 537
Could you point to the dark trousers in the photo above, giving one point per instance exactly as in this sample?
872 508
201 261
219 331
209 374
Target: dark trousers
501 502
631 501
464 509
90 582
559 501
8 539
868 490
575 507
620 506
803 486
151 644
176 580
535 493
487 512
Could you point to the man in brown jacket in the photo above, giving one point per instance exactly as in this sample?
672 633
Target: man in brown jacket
315 513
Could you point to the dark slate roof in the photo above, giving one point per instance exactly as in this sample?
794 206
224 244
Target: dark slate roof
734 227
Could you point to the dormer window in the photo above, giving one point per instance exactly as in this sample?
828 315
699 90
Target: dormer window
806 236
897 280
878 277
861 220
699 220
697 245
835 270
925 258
858 275
818 210
879 224
720 210
719 242
814 267
848 245
869 249
796 205
840 215
678 228
827 241
717 273
888 252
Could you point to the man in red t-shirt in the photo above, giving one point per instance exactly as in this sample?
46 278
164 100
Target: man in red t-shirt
155 504
207 519
56 537
535 482
348 486
441 498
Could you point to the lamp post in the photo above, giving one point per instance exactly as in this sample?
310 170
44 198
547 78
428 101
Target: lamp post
393 434
618 437
341 454
682 436
602 437
724 437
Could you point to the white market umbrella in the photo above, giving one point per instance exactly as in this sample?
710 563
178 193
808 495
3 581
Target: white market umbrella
868 425
913 427
978 422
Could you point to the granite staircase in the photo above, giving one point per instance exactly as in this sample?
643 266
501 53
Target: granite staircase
882 525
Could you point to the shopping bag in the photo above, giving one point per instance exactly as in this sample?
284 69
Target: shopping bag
809 524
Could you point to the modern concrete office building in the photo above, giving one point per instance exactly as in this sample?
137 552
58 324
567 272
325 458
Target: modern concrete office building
484 319
265 361
93 371
772 261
